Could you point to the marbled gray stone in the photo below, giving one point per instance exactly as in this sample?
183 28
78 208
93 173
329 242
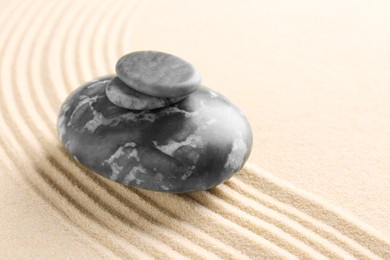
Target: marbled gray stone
123 96
158 74
192 145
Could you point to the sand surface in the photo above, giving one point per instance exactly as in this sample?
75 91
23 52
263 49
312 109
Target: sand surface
311 76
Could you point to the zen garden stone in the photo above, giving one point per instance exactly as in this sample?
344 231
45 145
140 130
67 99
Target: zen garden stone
158 74
188 143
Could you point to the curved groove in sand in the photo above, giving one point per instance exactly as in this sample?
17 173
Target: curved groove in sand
13 148
252 215
28 134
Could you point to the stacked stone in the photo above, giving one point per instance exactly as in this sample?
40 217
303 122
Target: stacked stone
154 127
150 79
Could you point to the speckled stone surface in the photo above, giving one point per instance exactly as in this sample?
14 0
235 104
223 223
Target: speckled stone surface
123 96
192 145
158 74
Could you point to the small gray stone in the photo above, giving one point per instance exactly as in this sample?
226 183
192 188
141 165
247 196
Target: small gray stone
123 96
158 74
192 145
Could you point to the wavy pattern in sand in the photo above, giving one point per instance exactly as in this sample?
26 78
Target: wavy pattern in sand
253 215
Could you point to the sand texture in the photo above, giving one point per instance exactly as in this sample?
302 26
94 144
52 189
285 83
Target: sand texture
312 77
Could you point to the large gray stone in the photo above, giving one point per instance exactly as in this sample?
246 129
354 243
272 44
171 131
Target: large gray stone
123 96
192 145
158 74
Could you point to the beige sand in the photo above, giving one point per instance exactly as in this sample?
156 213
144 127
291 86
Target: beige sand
312 77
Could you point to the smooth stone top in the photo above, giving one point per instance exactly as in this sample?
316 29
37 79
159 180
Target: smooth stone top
123 96
158 74
192 145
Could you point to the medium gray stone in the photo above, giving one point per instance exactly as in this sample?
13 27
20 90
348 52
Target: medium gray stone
158 74
123 96
192 145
